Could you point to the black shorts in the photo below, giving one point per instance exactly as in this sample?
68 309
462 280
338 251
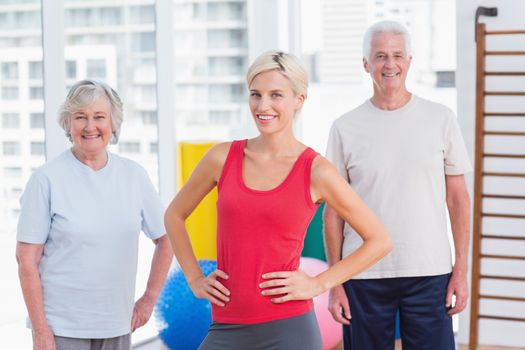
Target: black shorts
374 303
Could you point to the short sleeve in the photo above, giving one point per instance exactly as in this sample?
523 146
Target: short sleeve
152 210
334 152
34 222
456 157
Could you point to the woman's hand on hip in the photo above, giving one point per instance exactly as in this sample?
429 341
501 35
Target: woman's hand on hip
290 285
43 340
209 287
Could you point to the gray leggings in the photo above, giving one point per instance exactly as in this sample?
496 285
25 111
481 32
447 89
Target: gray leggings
118 343
295 333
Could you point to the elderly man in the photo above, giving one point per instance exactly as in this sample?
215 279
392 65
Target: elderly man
405 157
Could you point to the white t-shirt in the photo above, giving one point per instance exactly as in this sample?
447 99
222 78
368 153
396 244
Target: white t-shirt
396 161
89 222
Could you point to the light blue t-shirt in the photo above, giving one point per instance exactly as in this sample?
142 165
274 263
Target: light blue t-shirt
89 222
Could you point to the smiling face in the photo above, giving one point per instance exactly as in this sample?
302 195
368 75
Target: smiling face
91 128
273 103
388 63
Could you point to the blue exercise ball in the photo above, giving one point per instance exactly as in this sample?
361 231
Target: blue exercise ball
183 320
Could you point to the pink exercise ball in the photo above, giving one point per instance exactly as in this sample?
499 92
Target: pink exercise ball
331 331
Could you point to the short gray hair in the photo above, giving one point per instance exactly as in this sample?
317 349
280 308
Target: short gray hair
84 93
385 27
285 63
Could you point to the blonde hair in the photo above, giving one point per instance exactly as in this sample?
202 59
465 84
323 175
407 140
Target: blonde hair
84 93
286 64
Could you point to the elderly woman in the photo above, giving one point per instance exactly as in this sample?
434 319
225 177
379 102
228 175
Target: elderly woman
81 215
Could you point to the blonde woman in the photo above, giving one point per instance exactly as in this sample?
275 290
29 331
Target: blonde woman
269 189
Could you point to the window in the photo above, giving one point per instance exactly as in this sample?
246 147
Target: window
217 11
219 117
147 94
14 214
38 148
142 14
149 117
35 70
445 79
9 93
20 68
10 121
227 38
27 19
36 93
13 172
218 38
96 69
9 70
129 147
11 148
198 11
36 121
237 11
210 60
237 92
143 42
238 38
227 93
217 93
110 16
91 17
219 66
71 70
225 11
153 147
16 192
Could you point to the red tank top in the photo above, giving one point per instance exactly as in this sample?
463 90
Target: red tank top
260 232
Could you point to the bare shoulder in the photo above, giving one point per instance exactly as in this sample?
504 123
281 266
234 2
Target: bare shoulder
325 180
322 169
210 165
216 155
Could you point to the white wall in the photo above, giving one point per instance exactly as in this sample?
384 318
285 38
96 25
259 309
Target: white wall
510 16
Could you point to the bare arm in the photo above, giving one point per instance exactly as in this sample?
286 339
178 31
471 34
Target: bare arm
160 264
328 185
28 257
333 235
203 179
458 203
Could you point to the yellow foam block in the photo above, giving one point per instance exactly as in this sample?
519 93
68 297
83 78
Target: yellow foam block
202 223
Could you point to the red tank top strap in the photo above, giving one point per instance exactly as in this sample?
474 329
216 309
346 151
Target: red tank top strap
233 159
307 160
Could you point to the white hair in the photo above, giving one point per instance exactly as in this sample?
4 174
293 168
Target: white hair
385 27
84 93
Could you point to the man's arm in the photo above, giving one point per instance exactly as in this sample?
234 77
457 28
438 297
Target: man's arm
333 241
458 203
